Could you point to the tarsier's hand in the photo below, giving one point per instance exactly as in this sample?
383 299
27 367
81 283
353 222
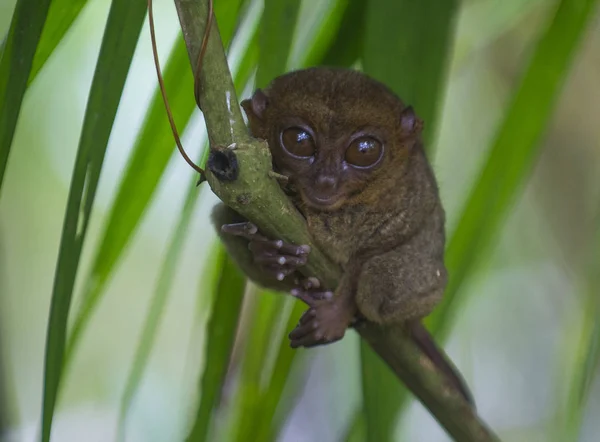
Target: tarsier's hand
327 318
276 258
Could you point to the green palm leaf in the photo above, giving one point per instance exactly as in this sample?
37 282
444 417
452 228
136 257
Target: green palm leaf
61 16
227 303
120 38
16 60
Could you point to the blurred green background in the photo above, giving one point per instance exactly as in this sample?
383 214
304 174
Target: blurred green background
524 330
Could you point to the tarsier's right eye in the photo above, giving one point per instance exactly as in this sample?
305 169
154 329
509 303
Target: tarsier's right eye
298 142
364 152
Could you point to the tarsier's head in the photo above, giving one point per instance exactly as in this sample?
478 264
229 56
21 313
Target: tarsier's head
334 132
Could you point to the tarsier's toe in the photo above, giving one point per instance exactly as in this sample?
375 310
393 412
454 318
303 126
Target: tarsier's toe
260 244
311 283
310 297
279 260
278 272
246 229
292 249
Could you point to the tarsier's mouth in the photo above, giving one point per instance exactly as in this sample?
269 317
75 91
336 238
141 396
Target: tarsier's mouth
323 202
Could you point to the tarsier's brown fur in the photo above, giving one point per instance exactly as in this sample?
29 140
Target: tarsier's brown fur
385 225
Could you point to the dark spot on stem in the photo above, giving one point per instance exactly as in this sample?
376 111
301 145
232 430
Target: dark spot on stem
243 199
223 164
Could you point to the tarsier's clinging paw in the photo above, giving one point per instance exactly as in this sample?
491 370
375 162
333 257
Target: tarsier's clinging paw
276 258
327 318
325 321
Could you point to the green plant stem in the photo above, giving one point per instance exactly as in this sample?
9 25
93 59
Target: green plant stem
258 197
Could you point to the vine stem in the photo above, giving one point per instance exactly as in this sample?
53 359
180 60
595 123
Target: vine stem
256 195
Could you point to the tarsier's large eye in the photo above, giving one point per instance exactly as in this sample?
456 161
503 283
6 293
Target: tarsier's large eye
364 152
298 142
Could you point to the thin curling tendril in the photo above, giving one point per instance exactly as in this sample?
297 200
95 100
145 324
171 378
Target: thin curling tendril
196 80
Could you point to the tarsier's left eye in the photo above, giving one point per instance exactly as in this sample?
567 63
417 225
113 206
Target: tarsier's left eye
298 142
364 152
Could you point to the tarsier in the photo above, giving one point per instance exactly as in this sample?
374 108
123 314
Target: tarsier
356 170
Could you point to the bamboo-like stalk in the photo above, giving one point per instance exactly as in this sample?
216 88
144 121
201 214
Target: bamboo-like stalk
256 195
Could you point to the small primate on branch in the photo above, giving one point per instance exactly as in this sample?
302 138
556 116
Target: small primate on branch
349 154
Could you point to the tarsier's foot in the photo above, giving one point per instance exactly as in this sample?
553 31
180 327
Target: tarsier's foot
324 322
276 258
327 318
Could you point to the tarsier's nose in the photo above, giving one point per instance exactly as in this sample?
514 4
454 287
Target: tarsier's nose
326 183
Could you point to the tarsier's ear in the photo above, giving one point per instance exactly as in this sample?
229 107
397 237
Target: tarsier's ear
409 122
255 111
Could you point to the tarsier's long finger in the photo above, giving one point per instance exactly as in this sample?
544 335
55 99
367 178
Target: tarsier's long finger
302 330
282 260
245 229
307 316
292 249
277 247
304 297
278 272
310 340
310 298
321 342
259 243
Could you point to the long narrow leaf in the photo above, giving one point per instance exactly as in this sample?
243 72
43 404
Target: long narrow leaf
147 163
276 34
271 419
514 150
221 334
118 45
266 316
15 65
346 47
164 282
61 16
412 63
357 430
484 21
328 30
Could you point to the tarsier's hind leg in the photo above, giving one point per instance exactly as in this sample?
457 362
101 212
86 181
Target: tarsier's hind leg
392 290
403 287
